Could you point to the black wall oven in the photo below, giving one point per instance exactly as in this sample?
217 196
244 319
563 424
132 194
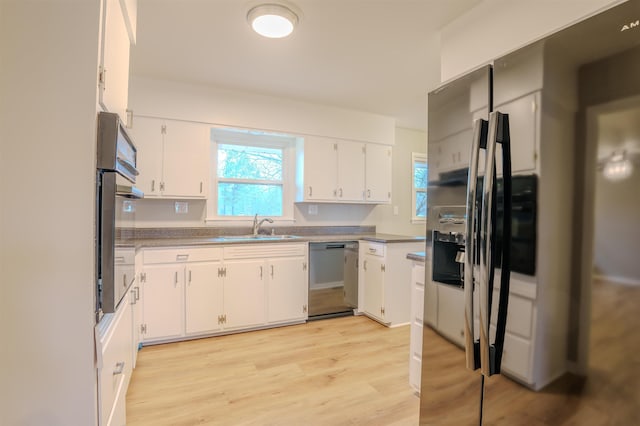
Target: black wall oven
115 198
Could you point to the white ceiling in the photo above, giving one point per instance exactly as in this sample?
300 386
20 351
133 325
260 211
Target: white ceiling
378 56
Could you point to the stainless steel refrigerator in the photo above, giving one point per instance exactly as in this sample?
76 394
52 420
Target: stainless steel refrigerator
514 157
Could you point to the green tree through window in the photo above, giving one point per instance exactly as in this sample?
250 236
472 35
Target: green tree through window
250 180
420 174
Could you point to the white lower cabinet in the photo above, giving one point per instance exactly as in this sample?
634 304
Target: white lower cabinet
286 298
202 297
114 348
384 278
210 290
417 319
244 293
174 279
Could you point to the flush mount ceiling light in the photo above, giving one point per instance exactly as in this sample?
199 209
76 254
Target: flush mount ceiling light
272 20
617 167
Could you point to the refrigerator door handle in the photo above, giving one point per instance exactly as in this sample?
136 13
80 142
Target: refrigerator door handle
491 354
504 139
471 345
486 244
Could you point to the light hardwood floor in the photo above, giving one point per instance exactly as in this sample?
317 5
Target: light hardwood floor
353 371
341 371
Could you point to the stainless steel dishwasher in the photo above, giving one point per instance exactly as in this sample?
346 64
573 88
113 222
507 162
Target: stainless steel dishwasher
333 279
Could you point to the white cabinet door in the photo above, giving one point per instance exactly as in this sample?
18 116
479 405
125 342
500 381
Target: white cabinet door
287 289
115 371
378 173
320 170
351 171
163 301
524 123
186 159
203 297
244 293
130 12
136 319
351 278
431 297
374 286
147 137
114 81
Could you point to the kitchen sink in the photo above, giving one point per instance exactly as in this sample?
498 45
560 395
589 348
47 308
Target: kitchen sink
260 237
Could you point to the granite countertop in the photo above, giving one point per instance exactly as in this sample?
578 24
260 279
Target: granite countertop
267 239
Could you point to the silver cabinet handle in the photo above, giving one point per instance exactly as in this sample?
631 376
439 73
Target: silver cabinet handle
176 279
261 272
368 193
271 271
310 191
153 185
189 276
201 187
124 280
119 368
479 133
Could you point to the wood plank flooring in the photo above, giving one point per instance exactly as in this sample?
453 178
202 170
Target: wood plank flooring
341 371
610 395
353 371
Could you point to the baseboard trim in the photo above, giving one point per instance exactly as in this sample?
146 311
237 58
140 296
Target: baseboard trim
617 280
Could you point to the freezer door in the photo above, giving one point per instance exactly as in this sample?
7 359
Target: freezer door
450 394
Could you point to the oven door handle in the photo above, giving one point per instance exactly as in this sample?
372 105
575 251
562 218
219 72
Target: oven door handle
129 192
471 345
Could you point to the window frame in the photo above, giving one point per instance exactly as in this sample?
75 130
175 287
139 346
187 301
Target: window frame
252 138
417 158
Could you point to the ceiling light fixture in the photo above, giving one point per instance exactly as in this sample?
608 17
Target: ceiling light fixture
617 167
272 20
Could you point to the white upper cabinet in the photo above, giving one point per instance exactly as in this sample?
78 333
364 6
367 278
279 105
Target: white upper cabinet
186 159
351 171
378 169
320 170
343 171
114 58
524 132
173 157
147 137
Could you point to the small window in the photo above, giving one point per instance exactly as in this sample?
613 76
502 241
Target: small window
251 174
419 194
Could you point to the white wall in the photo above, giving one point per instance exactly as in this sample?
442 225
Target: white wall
161 213
496 27
167 99
49 52
407 141
216 106
617 229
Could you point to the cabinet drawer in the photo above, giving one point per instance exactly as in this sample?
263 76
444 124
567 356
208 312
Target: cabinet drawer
519 315
375 249
172 255
115 350
515 356
260 251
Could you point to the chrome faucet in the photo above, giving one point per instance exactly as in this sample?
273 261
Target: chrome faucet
256 224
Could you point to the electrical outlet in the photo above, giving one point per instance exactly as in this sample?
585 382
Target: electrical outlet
313 209
182 207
